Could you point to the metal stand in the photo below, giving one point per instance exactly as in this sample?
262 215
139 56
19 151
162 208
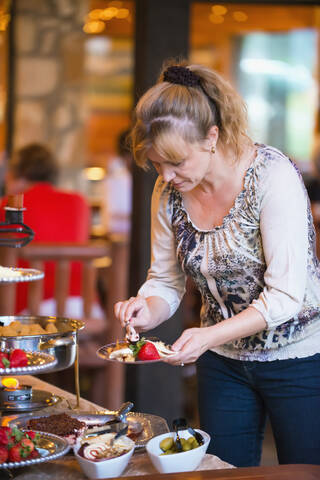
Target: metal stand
76 372
13 232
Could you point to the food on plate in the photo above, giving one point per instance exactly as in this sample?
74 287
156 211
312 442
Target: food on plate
15 358
131 334
17 445
121 351
101 447
16 328
135 429
143 350
168 445
148 351
60 424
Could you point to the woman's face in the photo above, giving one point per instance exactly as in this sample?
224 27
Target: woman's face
187 173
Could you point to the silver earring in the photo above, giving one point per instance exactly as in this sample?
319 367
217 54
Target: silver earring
213 149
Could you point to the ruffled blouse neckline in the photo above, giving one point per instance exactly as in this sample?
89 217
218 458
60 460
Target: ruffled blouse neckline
238 202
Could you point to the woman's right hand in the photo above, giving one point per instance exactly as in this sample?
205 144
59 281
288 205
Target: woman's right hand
135 311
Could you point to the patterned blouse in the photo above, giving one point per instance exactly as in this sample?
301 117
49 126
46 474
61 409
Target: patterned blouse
262 255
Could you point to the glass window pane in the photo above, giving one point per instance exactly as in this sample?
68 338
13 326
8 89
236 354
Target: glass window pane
270 55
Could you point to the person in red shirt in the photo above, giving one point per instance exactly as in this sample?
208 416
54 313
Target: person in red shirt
53 214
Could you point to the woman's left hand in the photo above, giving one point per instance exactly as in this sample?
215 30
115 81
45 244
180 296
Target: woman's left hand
190 345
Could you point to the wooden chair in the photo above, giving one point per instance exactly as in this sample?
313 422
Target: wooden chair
95 333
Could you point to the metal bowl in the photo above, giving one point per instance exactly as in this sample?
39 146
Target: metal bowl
62 345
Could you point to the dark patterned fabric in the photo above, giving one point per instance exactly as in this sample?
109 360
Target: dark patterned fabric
227 264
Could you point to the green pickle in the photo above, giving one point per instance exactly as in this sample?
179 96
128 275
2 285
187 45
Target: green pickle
169 445
166 444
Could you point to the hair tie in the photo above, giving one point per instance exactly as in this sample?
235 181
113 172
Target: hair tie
181 76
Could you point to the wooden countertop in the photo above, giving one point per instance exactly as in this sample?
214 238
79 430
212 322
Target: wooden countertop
277 472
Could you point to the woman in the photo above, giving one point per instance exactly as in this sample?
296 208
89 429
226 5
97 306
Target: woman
235 216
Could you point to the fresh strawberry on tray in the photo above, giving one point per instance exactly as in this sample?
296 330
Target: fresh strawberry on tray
20 448
20 362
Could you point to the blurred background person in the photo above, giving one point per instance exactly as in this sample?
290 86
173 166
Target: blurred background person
53 214
117 201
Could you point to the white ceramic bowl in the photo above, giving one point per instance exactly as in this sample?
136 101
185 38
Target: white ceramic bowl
176 462
104 468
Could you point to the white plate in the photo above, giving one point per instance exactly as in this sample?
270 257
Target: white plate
25 275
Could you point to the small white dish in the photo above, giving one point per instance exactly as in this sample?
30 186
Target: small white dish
176 462
108 468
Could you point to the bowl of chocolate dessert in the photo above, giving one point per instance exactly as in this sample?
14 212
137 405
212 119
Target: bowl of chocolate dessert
103 456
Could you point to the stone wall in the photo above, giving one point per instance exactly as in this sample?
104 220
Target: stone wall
48 79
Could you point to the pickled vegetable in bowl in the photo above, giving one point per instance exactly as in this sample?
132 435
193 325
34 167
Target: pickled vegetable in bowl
169 445
167 458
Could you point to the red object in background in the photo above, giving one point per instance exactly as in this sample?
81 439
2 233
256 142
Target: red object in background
55 216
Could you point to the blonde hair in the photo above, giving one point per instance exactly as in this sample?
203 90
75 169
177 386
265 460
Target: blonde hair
169 115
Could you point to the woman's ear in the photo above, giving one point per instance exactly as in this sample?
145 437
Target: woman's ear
213 135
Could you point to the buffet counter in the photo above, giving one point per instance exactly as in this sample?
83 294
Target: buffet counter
67 467
210 468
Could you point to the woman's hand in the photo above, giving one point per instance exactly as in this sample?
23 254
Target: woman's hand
190 345
135 311
195 341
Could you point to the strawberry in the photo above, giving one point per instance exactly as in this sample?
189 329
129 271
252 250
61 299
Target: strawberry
3 454
148 352
27 445
16 453
34 454
31 434
5 435
4 362
18 358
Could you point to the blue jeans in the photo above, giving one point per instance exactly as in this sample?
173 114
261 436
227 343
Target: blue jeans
236 396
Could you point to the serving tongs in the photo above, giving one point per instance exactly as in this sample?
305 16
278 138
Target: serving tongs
116 424
13 232
182 424
110 427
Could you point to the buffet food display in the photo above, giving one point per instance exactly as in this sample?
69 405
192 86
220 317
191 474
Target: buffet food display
103 443
31 345
20 362
19 448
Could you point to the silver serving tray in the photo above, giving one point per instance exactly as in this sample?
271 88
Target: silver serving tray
38 363
49 446
25 275
150 425
39 399
62 344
